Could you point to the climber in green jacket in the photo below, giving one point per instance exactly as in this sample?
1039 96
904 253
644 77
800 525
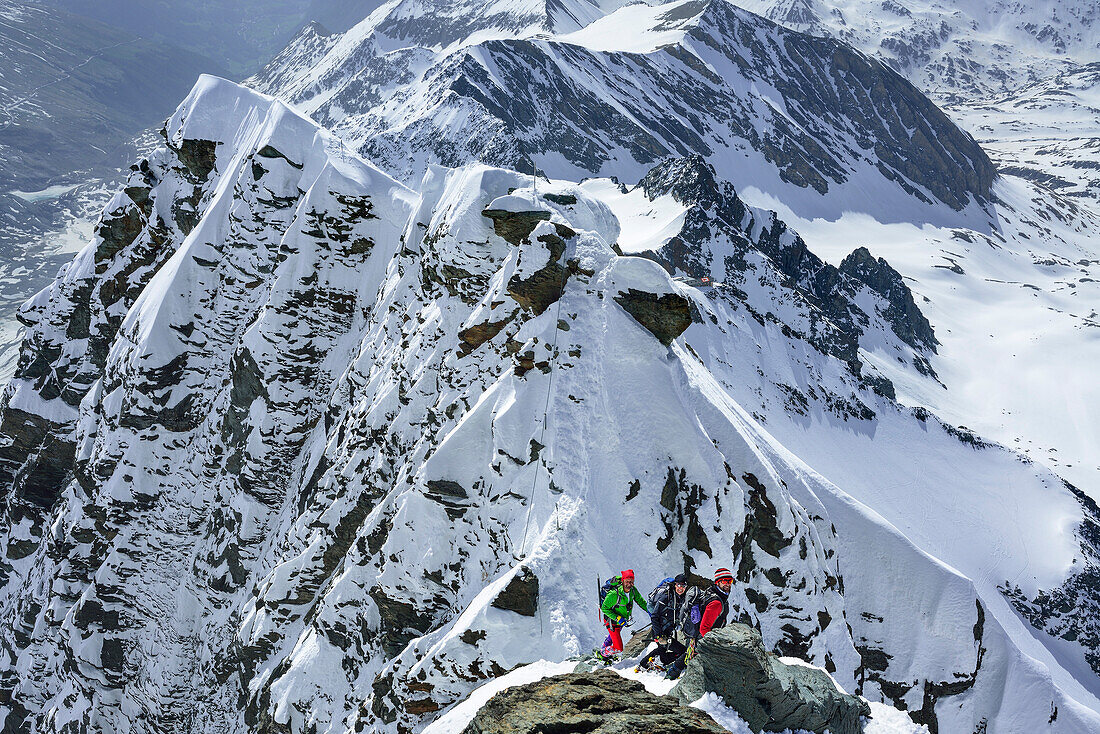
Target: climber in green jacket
617 607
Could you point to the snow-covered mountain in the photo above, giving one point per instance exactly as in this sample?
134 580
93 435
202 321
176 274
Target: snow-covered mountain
636 86
298 446
954 49
765 106
1021 77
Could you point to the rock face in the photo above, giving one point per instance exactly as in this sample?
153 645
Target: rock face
768 694
521 595
746 248
902 314
666 316
600 702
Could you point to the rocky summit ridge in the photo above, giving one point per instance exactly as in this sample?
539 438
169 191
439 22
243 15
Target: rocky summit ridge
293 447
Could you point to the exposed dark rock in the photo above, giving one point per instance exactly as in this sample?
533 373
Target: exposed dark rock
667 316
118 231
542 289
768 694
446 488
199 156
451 495
537 292
37 462
515 227
903 314
476 335
562 199
761 530
600 702
269 152
521 595
401 621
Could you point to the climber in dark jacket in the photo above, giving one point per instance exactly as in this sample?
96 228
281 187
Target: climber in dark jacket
667 603
706 612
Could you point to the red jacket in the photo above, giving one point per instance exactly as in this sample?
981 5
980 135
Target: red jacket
711 613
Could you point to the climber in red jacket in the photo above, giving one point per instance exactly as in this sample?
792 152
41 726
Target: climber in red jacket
715 602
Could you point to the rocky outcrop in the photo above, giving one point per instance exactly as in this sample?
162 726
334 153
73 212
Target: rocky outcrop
521 595
600 702
666 316
768 694
1071 611
723 238
902 314
515 227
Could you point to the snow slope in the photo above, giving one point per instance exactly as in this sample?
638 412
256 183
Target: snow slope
1015 307
292 446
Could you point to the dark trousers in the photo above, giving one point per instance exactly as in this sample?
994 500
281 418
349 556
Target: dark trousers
668 652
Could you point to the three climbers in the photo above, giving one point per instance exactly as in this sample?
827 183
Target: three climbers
680 615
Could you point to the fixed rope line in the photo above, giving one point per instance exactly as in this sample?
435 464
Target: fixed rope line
545 413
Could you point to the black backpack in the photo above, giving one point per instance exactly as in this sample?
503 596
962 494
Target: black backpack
607 586
693 616
657 591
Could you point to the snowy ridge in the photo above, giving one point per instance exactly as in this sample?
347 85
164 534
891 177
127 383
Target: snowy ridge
338 452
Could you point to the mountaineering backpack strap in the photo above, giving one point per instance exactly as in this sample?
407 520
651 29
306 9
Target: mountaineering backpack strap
700 607
613 583
694 613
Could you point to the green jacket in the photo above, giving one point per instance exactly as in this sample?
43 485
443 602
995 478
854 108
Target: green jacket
618 605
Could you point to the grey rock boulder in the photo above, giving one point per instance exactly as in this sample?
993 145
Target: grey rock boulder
600 702
768 694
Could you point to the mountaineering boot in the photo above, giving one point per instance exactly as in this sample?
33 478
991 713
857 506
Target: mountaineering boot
676 669
649 662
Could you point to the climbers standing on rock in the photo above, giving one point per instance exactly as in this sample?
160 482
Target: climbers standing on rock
667 603
617 607
707 612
